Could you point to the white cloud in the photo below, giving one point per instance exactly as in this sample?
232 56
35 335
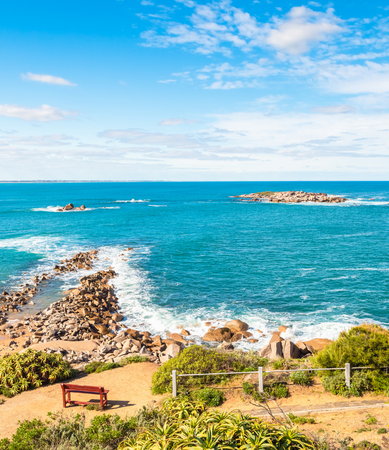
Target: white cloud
302 28
335 109
168 122
50 79
146 3
45 113
166 81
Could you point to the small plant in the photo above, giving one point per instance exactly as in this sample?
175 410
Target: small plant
382 431
278 364
370 420
301 420
133 359
365 445
209 396
275 390
301 378
93 407
31 369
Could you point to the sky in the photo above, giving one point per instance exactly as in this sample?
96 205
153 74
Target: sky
194 90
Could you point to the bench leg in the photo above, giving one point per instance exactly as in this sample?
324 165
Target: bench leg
64 398
101 400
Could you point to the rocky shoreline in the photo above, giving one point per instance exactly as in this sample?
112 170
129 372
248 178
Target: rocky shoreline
291 197
86 325
70 207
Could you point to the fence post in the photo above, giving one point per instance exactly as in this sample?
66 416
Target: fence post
260 379
347 370
174 376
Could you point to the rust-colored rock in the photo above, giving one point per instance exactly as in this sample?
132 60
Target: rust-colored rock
185 332
276 337
237 326
318 343
282 328
117 317
218 335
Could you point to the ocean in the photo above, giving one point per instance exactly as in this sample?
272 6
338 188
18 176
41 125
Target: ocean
200 256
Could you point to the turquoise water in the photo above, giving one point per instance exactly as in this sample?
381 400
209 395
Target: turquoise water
199 255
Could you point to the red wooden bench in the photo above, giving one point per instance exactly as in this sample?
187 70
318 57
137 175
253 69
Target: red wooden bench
67 389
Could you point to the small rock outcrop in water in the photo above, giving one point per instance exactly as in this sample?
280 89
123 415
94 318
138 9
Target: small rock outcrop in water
292 197
70 207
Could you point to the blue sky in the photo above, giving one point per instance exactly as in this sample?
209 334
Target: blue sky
194 90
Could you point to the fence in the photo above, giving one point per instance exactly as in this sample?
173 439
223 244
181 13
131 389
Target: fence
347 374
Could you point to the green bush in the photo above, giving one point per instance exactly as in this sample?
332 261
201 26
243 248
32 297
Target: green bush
365 445
198 359
301 378
382 431
336 383
370 420
365 345
99 366
274 390
31 369
301 420
210 396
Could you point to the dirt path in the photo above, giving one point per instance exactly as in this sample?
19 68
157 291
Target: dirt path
129 390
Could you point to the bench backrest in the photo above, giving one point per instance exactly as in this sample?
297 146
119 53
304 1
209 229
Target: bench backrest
78 387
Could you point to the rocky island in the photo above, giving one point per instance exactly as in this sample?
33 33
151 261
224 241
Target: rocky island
291 197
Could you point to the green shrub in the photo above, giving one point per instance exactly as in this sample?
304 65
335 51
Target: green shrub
133 359
301 420
301 378
109 430
93 366
210 396
198 359
31 369
382 431
370 420
365 345
274 390
365 445
93 407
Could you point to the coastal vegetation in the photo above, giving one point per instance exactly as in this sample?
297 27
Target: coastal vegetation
31 369
99 366
365 345
198 359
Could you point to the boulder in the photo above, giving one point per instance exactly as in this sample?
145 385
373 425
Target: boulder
173 350
236 337
237 326
246 334
276 337
185 332
282 328
304 349
82 208
218 335
318 343
290 350
265 351
276 350
102 329
69 207
176 337
117 317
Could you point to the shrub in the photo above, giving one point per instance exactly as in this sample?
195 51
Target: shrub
370 420
274 390
382 431
365 345
336 384
31 369
301 420
197 359
365 445
195 428
209 396
301 378
133 359
99 366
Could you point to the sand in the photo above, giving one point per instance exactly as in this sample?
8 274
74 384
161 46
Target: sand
129 390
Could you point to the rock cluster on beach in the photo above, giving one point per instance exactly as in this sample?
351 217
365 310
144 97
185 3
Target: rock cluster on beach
70 207
292 197
85 325
79 261
11 302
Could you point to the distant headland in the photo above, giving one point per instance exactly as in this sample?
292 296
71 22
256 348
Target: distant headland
291 197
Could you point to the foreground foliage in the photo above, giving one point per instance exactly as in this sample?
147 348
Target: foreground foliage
31 369
362 346
189 426
197 359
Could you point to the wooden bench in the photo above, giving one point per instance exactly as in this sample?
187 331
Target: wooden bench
67 389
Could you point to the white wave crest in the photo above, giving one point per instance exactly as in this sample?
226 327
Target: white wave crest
56 208
132 201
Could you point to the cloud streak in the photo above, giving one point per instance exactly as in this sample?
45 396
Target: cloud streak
49 79
45 113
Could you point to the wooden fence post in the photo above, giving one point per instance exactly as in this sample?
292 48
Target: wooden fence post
260 379
174 376
347 370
